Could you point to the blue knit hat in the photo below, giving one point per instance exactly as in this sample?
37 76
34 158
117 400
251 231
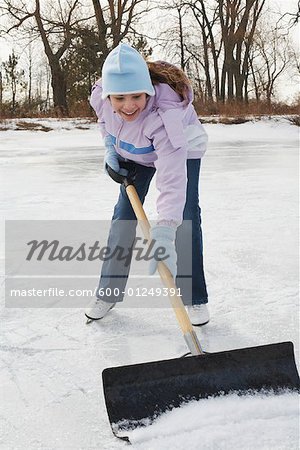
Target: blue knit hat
125 72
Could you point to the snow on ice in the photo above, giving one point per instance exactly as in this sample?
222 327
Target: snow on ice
51 362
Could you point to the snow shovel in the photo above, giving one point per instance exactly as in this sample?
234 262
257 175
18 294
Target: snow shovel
136 394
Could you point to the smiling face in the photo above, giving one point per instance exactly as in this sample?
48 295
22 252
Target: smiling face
128 106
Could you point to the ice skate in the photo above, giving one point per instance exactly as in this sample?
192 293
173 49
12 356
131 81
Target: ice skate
199 314
98 309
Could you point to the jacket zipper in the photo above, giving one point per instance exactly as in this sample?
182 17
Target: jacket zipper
118 135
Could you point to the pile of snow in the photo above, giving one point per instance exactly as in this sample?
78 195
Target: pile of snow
231 422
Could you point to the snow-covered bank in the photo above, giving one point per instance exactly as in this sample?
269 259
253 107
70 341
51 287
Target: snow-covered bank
51 362
84 123
46 124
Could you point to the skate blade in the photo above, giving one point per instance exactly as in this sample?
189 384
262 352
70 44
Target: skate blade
88 321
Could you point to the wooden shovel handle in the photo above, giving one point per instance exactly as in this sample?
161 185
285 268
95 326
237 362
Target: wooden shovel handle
166 276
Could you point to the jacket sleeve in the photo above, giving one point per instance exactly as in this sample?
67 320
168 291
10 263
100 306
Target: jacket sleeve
97 103
171 173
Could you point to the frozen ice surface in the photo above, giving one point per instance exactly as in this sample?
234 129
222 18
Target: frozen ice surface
51 362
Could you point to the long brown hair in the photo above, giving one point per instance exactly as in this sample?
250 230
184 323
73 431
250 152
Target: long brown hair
163 72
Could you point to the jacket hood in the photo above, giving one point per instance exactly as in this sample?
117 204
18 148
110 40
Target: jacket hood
166 98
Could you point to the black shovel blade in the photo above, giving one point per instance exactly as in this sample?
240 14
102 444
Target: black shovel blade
143 391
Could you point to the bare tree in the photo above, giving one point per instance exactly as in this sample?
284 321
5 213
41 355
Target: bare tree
293 17
1 90
238 19
274 56
55 26
29 52
219 42
173 36
14 77
206 17
116 20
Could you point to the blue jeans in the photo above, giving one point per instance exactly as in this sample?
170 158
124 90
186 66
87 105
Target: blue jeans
115 273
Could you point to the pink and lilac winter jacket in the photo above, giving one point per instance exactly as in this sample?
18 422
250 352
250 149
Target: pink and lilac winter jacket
164 135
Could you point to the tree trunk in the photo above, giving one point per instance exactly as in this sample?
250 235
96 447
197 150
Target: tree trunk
1 90
223 84
230 67
182 59
246 96
229 70
212 48
13 96
102 29
206 65
30 77
58 83
239 84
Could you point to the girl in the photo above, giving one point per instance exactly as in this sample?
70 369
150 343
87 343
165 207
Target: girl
146 117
